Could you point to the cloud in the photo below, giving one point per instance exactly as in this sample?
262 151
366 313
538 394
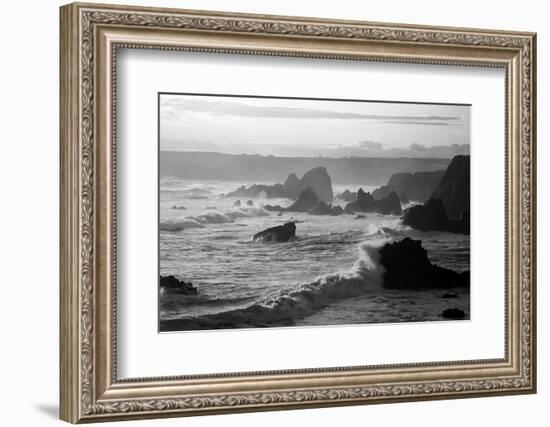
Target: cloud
173 108
372 145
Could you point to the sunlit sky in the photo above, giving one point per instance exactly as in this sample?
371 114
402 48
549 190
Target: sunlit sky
290 127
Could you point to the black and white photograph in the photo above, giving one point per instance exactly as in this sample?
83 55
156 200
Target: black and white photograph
278 212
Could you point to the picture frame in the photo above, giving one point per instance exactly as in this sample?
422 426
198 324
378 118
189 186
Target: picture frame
91 36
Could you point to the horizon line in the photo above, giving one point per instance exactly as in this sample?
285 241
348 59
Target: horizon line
307 157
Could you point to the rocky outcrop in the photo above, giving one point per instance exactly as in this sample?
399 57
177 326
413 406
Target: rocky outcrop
407 266
417 186
237 203
172 285
307 200
317 179
258 190
292 186
280 233
432 216
453 313
454 188
389 205
323 208
449 207
250 203
384 191
347 196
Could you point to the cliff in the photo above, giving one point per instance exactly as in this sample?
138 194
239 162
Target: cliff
454 188
256 168
418 186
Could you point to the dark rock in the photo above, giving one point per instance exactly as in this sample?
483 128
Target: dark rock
360 217
449 295
307 200
258 190
197 197
337 210
292 186
181 208
172 285
432 216
323 208
280 233
317 179
389 205
347 196
417 186
454 188
237 203
320 209
273 208
384 191
453 313
250 203
407 266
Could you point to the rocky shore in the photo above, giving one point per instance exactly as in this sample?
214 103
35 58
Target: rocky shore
407 266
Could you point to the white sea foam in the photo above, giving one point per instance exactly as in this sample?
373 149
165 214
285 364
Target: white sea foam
291 304
200 221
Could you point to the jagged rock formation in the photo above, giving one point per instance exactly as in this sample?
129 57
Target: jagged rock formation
323 208
449 207
280 233
307 200
454 188
259 190
292 186
432 216
347 196
385 190
366 203
172 285
453 313
417 186
317 179
407 266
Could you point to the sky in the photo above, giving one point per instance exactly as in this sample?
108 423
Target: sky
312 128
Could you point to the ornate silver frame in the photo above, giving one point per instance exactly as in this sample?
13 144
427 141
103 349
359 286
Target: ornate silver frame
90 35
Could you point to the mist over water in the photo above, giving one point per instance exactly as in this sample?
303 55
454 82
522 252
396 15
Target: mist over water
328 275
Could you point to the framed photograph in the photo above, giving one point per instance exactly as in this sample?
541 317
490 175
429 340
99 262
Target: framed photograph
266 212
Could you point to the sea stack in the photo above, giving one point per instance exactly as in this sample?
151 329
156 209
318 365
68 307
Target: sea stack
454 187
280 233
365 202
407 266
319 181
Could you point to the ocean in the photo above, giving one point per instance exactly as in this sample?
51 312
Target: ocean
329 275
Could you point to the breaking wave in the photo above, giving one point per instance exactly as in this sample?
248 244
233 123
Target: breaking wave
296 303
200 221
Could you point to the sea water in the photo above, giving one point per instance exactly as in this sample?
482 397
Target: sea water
328 275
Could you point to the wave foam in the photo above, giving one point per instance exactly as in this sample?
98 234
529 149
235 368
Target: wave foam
300 302
200 221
